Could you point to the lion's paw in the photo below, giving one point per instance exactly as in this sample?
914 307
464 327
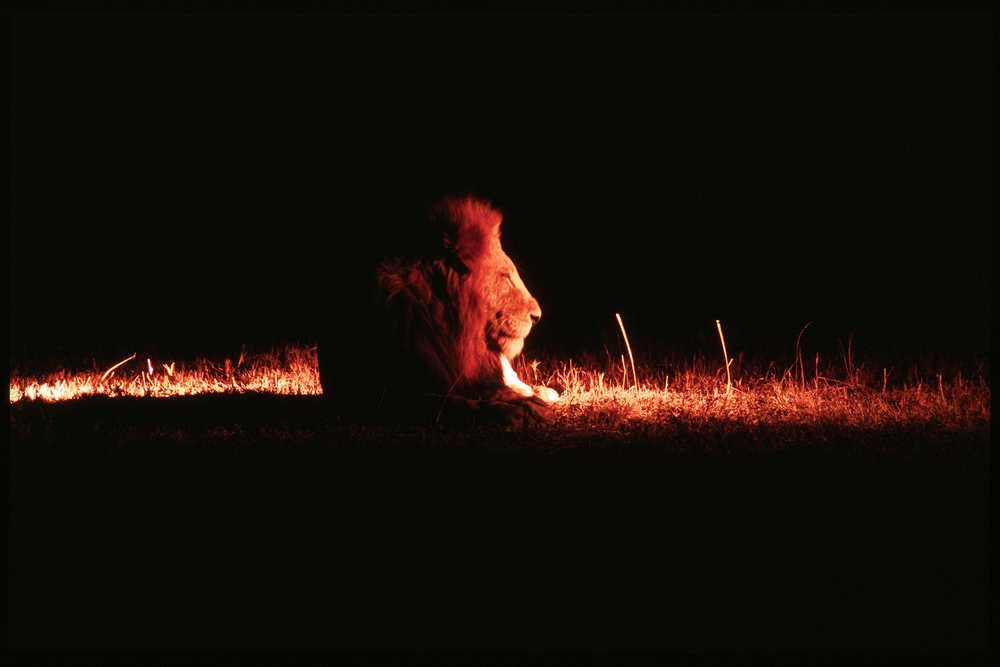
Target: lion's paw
515 412
546 394
505 408
515 384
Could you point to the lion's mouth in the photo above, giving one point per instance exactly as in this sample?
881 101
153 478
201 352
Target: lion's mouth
513 335
509 340
519 330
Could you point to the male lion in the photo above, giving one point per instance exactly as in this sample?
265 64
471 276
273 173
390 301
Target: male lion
449 317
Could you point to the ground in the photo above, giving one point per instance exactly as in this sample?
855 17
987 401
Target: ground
245 521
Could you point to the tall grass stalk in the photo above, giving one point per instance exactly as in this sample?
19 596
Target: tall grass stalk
635 382
113 368
798 356
725 355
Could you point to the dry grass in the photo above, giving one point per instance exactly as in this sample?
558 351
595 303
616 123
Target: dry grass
291 370
596 396
599 397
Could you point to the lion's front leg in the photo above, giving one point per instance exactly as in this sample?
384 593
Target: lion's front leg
511 380
503 407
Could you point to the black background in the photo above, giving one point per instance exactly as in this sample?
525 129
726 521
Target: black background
189 180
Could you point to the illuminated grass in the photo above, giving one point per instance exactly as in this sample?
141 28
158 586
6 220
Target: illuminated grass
595 397
291 370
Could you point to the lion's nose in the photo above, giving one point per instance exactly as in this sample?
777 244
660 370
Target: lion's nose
535 312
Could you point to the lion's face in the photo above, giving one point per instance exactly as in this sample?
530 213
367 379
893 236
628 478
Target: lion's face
510 308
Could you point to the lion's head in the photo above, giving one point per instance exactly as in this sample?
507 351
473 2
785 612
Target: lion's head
509 308
450 313
459 309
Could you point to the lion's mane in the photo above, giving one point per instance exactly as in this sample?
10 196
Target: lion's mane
446 316
435 306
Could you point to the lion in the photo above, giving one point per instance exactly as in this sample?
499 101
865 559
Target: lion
450 315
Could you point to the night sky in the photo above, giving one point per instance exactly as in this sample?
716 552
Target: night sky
191 181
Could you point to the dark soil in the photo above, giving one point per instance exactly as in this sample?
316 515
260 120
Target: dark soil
249 522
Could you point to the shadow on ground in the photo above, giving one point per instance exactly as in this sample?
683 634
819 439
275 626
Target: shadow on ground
164 527
198 411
